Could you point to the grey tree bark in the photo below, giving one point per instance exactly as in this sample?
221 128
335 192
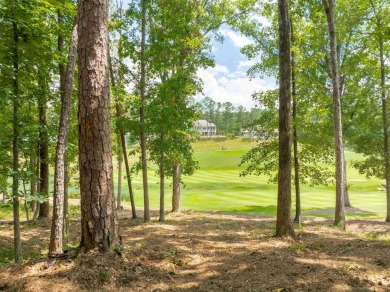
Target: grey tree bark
99 221
60 182
283 221
329 6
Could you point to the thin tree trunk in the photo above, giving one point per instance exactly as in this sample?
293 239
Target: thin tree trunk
120 160
66 203
25 201
176 188
128 176
124 151
347 202
329 6
36 212
33 186
385 116
298 210
15 145
142 116
99 221
44 209
162 180
283 222
37 183
385 112
66 86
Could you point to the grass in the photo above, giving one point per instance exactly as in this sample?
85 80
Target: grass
217 185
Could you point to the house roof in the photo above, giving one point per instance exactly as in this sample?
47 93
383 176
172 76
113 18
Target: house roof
203 123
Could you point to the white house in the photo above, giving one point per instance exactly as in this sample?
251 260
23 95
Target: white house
205 128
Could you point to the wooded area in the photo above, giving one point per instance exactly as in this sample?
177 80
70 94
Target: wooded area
89 86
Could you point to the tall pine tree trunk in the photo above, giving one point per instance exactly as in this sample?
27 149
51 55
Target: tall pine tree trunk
283 221
142 116
99 221
329 6
15 144
176 188
66 86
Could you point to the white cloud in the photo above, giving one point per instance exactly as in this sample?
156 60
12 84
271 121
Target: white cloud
238 40
246 64
232 86
219 69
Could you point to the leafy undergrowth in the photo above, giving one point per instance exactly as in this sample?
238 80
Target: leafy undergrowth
199 251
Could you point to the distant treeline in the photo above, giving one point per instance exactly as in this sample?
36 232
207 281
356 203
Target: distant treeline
230 120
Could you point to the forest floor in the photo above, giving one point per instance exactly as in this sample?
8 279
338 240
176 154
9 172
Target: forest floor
208 251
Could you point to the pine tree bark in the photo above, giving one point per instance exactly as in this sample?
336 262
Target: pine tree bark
142 116
99 221
329 6
283 221
15 145
66 86
298 210
176 188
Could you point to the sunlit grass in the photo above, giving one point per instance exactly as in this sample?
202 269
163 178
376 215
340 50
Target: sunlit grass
217 185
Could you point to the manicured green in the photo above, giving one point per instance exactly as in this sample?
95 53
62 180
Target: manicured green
218 186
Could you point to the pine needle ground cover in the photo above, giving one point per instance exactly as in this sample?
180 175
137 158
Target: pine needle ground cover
207 251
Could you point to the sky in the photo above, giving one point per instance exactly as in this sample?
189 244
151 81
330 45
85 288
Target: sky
228 80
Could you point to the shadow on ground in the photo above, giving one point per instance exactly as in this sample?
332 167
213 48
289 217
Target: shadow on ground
211 251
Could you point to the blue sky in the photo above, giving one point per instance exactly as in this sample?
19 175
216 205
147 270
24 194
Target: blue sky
228 81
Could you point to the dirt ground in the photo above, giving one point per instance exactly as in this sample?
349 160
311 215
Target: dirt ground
199 251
